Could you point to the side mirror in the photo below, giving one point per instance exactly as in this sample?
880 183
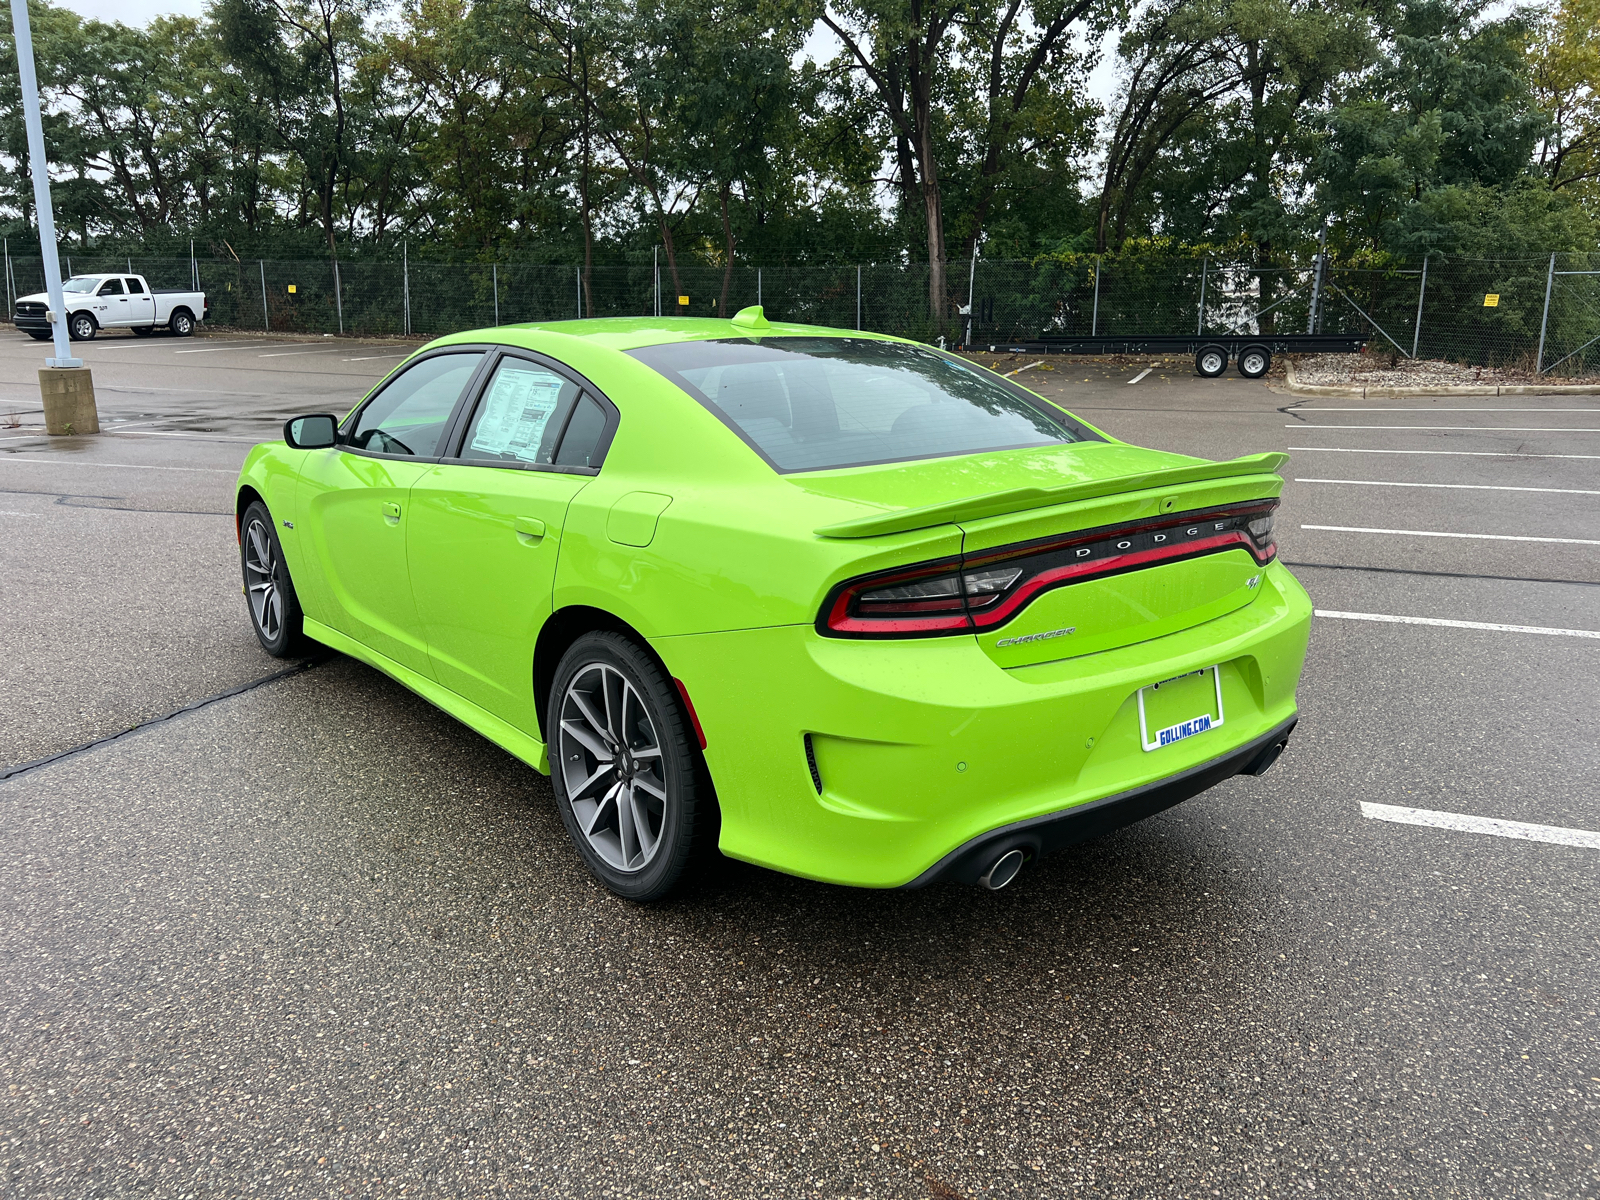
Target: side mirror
316 432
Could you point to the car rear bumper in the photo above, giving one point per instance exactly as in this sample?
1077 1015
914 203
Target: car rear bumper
1038 836
895 763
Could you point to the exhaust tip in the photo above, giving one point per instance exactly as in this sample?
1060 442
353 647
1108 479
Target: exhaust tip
1262 763
1002 871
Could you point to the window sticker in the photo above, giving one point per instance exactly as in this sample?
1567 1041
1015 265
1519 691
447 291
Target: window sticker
516 410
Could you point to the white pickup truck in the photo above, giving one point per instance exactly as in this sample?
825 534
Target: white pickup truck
96 302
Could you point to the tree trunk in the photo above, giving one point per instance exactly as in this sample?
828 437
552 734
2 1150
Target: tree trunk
932 205
727 266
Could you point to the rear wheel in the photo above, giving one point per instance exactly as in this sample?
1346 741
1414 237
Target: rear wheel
1211 361
274 607
181 323
626 773
81 327
1254 361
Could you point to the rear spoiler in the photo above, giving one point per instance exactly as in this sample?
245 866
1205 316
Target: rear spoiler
972 508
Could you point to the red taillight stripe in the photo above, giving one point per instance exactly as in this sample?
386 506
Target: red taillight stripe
912 618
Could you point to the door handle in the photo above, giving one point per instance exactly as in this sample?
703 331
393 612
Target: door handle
529 529
391 511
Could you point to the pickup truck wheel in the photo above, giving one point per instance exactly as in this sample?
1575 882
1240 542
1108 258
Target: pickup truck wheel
181 323
81 327
143 330
38 336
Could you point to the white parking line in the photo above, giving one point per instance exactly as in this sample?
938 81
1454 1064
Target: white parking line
1468 428
6 512
1020 370
1141 375
1470 487
1320 409
290 353
66 462
1482 537
1485 625
1465 824
1456 453
209 437
375 357
244 346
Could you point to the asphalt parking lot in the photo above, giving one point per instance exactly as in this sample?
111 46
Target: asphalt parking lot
312 937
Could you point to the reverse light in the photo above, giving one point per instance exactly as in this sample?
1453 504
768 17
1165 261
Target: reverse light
986 589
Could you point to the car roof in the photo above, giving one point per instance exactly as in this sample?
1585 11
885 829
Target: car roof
632 333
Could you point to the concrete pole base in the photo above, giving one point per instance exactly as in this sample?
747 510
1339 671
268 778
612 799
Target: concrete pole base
69 407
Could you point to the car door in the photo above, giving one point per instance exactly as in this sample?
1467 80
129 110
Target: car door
487 523
354 503
141 304
111 305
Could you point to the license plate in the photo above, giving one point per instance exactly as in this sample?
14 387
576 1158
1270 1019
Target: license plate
1180 708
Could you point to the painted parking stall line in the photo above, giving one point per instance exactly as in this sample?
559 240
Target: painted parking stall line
1482 537
1453 453
1468 487
1464 823
1141 375
1446 428
1322 409
1444 622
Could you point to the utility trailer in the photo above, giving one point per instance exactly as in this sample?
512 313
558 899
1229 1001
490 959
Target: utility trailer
1252 352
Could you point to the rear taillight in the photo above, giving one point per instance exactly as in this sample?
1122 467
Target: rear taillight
988 588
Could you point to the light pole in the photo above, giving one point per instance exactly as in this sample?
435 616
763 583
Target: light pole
66 384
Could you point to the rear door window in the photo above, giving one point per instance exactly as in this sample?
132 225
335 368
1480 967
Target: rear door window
811 403
520 416
135 287
408 417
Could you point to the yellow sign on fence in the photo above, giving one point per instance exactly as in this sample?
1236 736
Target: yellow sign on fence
1492 300
683 299
291 289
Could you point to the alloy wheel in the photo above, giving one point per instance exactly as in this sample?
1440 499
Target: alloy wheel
611 765
261 571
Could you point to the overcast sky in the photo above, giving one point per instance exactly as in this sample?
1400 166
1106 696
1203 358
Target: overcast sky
131 12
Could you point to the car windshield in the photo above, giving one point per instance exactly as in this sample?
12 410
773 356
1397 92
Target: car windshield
82 283
811 403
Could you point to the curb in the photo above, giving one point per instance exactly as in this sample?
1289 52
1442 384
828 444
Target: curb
1465 389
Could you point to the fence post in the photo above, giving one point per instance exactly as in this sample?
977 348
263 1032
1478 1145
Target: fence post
130 264
577 273
69 266
1544 322
8 276
758 290
1094 320
194 268
405 286
1316 279
266 318
858 297
495 270
655 263
338 297
1200 321
1416 336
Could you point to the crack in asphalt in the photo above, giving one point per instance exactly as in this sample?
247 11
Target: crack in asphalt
1440 574
298 668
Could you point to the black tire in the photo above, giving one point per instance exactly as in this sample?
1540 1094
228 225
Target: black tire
619 791
181 322
280 629
39 335
1211 361
81 327
143 330
1254 361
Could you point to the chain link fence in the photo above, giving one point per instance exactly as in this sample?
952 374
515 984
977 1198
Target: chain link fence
1538 315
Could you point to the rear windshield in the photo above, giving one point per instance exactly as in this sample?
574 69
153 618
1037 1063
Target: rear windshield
807 404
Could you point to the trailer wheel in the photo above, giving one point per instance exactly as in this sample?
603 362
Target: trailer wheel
1211 361
1254 361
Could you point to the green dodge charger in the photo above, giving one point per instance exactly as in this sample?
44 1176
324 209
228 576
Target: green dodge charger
834 603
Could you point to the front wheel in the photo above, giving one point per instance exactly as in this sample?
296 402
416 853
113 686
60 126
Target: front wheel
81 327
38 336
181 323
1211 361
626 774
274 607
